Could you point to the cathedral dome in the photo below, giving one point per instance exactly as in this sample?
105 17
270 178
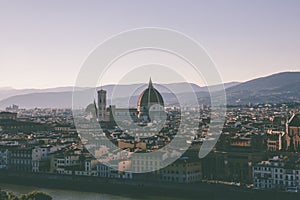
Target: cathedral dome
149 97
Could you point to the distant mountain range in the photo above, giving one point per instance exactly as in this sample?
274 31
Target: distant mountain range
277 88
6 92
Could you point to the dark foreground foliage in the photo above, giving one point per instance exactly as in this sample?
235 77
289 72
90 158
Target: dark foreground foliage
35 195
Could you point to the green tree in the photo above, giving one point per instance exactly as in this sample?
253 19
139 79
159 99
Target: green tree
11 196
35 195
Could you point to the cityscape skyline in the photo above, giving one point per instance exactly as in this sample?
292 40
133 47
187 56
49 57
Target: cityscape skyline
136 99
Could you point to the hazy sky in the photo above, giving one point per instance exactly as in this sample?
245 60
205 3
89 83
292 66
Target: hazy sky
44 43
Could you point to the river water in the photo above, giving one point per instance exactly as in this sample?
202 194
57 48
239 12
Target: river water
59 194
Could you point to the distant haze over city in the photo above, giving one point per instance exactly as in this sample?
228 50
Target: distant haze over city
277 88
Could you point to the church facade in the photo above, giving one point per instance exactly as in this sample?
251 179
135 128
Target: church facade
291 140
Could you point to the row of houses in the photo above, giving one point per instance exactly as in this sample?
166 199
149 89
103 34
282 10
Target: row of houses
277 173
74 160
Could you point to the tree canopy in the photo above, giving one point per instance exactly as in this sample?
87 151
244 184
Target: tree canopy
35 195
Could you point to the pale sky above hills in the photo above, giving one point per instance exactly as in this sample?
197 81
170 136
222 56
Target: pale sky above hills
44 43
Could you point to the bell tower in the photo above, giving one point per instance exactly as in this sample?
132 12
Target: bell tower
101 104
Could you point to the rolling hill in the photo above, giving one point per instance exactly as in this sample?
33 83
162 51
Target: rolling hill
277 88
